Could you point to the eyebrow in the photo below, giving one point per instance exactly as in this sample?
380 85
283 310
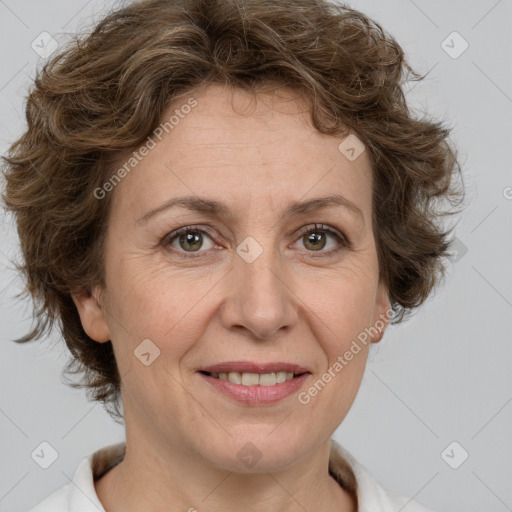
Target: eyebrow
218 209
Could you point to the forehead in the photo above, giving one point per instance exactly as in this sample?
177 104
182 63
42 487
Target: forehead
234 146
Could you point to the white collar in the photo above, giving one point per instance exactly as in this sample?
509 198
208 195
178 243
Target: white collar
80 495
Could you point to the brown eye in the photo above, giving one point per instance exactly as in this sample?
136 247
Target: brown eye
316 239
188 240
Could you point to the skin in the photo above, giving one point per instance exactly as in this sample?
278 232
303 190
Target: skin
293 304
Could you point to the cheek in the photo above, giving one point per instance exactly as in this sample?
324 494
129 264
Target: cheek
345 305
342 314
151 302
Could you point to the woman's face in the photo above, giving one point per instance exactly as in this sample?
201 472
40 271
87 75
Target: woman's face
246 284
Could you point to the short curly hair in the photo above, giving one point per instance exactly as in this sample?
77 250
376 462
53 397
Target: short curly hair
102 95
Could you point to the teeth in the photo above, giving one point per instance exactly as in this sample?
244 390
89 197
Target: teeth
267 379
252 379
235 377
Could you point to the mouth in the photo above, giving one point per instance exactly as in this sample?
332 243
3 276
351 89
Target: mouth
255 384
254 379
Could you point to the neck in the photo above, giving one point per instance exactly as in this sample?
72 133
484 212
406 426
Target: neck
155 479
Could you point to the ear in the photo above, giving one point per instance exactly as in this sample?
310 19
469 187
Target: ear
383 312
92 314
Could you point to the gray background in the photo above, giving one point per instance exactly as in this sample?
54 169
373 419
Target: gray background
443 376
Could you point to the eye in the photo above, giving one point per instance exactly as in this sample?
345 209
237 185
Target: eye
315 239
187 239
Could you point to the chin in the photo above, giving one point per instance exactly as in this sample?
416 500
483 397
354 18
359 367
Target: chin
255 453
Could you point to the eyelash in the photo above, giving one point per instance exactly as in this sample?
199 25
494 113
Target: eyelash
317 228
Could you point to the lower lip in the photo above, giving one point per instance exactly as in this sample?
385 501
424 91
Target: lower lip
257 395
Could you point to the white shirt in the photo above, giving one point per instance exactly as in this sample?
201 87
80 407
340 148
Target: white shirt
80 495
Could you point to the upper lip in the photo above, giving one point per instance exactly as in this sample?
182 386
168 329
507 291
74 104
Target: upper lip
253 367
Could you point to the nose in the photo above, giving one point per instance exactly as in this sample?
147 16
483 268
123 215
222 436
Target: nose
259 297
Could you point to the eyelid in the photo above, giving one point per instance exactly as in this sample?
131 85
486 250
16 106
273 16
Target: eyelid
344 242
322 227
166 240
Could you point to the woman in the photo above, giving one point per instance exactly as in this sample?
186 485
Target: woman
274 138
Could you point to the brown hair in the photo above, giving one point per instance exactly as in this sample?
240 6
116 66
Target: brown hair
105 93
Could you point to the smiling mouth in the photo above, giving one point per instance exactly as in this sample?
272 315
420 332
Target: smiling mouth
254 379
